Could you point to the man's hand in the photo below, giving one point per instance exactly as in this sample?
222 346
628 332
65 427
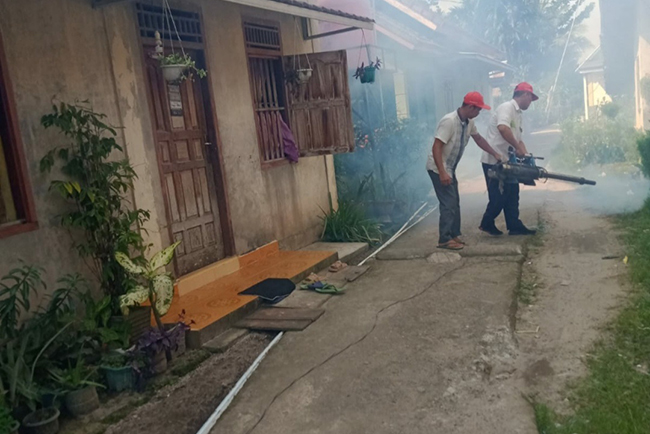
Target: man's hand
500 157
521 150
445 179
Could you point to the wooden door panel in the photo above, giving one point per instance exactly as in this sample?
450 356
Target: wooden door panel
188 181
320 112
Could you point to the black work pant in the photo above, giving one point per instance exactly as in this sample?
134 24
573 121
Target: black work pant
506 200
449 227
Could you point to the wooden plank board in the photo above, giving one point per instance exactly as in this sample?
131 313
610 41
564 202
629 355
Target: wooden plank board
274 325
283 313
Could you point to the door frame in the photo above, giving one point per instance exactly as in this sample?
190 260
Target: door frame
215 152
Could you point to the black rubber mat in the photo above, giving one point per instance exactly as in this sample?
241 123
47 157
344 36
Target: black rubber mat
271 290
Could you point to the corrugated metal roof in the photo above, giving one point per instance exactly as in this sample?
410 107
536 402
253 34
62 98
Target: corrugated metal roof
316 8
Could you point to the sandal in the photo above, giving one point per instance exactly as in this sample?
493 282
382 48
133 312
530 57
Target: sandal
451 245
459 241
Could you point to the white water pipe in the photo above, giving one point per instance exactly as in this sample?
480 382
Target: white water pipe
212 420
402 231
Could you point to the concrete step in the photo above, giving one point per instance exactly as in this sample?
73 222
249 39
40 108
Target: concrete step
346 251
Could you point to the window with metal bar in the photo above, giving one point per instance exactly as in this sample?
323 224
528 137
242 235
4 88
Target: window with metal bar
265 66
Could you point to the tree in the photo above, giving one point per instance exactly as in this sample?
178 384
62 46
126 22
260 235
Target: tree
532 33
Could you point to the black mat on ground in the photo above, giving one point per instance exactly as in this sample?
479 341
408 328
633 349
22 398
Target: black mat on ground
271 290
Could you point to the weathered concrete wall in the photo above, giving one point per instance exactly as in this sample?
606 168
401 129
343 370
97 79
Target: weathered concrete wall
66 51
282 203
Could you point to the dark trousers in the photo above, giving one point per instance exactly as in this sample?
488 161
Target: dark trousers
449 208
506 200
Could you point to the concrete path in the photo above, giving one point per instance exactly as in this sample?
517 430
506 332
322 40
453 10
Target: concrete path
428 343
407 349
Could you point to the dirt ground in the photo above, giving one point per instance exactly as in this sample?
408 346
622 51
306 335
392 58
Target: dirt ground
183 407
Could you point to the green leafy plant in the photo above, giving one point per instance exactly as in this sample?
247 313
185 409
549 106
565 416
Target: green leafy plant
24 344
96 182
184 60
7 423
597 141
610 110
348 223
75 377
643 144
157 287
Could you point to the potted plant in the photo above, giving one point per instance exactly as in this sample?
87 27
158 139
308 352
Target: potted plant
43 421
366 74
157 287
178 67
8 424
119 369
298 76
156 343
80 392
177 335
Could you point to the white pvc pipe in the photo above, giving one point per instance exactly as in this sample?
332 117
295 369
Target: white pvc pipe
212 420
402 231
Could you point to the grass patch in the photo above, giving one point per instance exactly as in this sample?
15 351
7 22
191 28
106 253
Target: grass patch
527 290
189 362
349 224
614 397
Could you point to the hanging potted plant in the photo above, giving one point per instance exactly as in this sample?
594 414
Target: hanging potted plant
299 75
178 67
366 74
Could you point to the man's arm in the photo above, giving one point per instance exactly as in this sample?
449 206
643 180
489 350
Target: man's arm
506 133
445 179
483 144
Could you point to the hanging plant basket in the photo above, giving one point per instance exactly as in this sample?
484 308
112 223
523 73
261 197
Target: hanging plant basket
367 74
304 75
173 73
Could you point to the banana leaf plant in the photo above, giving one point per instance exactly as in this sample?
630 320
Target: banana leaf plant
157 287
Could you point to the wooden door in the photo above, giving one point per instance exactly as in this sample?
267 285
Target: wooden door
182 142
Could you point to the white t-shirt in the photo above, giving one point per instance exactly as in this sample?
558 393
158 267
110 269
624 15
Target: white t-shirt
508 114
455 134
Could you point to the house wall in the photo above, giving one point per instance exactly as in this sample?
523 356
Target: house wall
642 65
64 49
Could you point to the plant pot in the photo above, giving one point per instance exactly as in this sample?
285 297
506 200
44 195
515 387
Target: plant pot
368 75
44 421
82 401
139 319
303 75
180 346
159 363
119 379
173 73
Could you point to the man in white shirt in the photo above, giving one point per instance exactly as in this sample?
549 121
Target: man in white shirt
504 133
452 136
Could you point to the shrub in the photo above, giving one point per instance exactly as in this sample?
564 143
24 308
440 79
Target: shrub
643 144
598 141
96 183
348 223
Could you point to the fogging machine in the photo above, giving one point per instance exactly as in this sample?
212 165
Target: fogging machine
524 171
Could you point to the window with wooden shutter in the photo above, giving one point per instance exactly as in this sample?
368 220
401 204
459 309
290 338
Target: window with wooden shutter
319 112
265 67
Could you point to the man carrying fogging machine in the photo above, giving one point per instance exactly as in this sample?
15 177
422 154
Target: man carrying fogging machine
503 178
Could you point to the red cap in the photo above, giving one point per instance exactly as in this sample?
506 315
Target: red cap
476 99
526 87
